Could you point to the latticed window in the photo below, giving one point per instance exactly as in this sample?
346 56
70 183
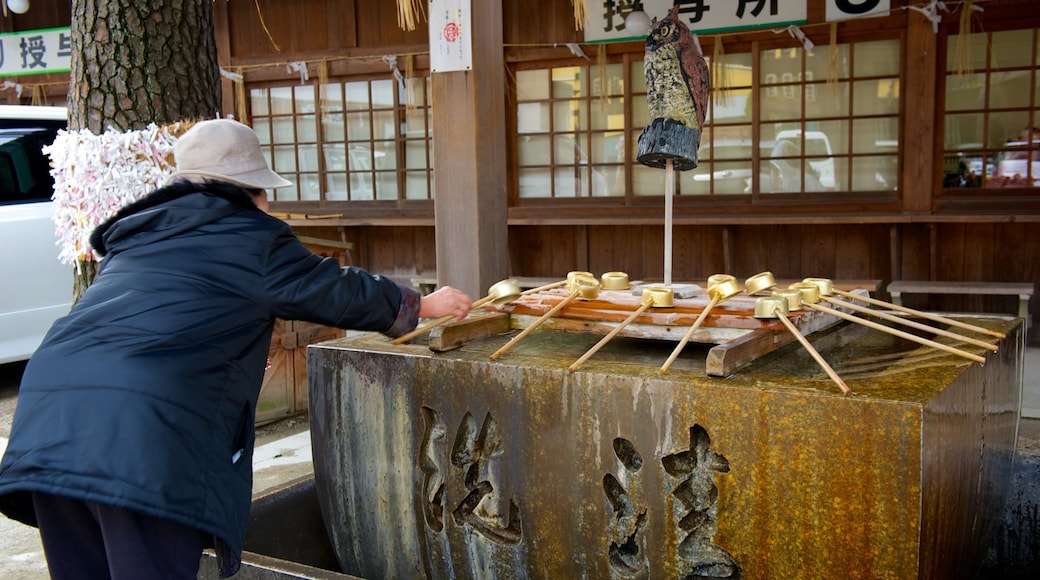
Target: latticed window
570 132
784 121
352 140
991 132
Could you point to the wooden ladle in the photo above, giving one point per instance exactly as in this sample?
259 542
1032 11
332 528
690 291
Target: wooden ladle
652 296
778 307
811 297
827 288
724 290
580 284
907 322
499 293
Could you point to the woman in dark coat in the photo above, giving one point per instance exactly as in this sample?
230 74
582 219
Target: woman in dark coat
131 447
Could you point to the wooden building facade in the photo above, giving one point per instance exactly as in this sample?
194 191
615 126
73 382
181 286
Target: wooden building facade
901 147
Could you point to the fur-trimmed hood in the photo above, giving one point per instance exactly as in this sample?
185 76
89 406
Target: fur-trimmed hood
166 211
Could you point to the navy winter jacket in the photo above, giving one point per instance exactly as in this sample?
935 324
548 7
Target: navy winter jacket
143 397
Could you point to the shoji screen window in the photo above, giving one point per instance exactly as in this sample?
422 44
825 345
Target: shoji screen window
570 132
352 141
991 133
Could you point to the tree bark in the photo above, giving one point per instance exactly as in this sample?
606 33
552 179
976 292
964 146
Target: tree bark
136 62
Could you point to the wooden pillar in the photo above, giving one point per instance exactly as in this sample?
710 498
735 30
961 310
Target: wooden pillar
222 34
469 163
919 139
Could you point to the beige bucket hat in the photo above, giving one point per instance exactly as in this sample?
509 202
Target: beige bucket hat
223 150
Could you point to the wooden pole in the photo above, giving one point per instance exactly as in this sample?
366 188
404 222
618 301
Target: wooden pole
814 353
715 298
603 341
669 191
536 324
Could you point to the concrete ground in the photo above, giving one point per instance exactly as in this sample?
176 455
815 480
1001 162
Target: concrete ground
283 454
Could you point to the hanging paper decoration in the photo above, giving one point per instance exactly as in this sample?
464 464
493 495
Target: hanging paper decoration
96 175
931 12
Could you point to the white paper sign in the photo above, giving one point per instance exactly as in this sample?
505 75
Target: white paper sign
451 40
35 51
845 9
605 19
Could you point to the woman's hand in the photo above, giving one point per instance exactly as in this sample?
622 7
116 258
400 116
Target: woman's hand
444 301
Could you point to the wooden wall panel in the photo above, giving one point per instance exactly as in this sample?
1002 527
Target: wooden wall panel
313 27
819 250
377 26
853 254
696 252
539 22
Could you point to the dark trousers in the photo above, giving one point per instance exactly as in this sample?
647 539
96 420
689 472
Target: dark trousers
88 540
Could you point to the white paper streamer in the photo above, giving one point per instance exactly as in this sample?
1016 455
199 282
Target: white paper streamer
931 12
575 50
96 175
300 67
797 33
391 61
230 75
12 85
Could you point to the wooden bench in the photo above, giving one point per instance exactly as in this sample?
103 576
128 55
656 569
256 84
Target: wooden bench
1023 290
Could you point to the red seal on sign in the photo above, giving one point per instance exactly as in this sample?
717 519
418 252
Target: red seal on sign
451 31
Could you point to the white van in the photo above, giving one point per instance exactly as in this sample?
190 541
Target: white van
35 288
817 150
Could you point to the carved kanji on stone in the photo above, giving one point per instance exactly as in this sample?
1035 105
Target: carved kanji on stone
474 452
699 556
627 533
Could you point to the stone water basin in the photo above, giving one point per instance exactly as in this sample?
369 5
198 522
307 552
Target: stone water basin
448 465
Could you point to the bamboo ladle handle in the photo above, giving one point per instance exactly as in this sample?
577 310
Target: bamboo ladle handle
534 325
689 334
928 315
896 332
910 323
814 353
545 287
642 308
437 322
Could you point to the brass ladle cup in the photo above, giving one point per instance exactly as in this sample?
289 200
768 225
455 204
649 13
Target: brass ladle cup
499 293
724 290
759 282
811 296
580 284
652 296
778 306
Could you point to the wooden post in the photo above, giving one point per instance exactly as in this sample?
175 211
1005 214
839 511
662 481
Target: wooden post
470 174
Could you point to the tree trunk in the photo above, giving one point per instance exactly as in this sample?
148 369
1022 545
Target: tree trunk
136 62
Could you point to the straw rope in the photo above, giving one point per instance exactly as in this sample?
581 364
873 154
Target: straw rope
408 13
